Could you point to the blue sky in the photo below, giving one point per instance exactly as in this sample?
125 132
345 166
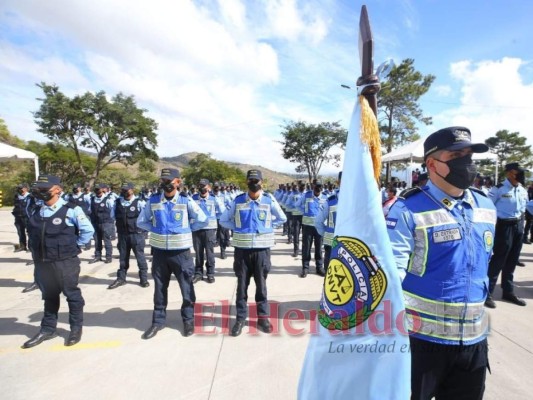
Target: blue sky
222 76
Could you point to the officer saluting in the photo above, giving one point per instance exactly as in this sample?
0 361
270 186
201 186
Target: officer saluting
167 217
441 237
130 236
510 199
57 231
250 216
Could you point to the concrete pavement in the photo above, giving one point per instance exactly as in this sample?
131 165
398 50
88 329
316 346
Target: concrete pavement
113 362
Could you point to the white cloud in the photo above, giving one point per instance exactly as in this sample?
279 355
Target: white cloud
442 90
493 97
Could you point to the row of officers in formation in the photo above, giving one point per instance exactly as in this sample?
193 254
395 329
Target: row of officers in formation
450 243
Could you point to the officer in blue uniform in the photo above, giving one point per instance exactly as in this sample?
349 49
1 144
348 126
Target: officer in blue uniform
103 220
57 231
168 217
130 237
223 234
441 237
310 204
77 197
293 199
21 219
204 233
251 216
325 222
510 199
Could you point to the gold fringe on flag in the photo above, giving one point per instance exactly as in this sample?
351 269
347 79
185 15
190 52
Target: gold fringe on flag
370 135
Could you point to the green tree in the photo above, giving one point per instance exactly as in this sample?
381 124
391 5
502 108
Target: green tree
7 138
204 167
510 147
116 130
310 145
398 108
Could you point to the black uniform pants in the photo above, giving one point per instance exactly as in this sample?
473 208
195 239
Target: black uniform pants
164 264
126 243
103 233
507 245
296 227
250 263
56 277
311 236
327 256
448 372
204 248
223 236
285 224
528 231
21 225
288 226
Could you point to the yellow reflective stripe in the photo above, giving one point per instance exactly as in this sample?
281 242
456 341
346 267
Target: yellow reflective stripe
484 215
171 241
417 263
331 222
253 240
306 220
448 330
443 309
328 239
428 219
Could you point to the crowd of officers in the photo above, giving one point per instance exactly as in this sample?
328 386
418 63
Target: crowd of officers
175 218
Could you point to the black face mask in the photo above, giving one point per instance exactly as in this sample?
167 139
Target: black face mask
98 192
254 187
317 193
167 187
43 195
203 190
20 191
125 193
462 172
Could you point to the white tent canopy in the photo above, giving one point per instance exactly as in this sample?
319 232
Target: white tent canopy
10 153
414 152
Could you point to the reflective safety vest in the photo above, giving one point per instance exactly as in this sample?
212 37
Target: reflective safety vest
20 205
208 206
170 223
311 205
329 231
80 202
446 282
253 223
51 238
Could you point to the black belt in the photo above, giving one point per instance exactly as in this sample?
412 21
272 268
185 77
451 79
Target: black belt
509 221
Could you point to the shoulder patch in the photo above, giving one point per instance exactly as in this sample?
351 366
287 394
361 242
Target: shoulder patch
478 191
410 192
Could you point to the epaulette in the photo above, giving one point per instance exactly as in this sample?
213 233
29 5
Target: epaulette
479 191
409 192
499 185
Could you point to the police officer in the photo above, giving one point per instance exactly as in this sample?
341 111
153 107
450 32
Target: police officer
310 203
167 217
204 233
296 215
325 222
130 236
251 216
22 198
223 234
103 220
510 199
57 231
441 237
80 199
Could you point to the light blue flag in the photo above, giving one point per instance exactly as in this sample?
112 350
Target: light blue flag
361 350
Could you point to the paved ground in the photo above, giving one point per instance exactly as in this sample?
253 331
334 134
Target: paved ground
113 362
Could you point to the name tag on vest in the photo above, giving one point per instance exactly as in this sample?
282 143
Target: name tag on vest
447 235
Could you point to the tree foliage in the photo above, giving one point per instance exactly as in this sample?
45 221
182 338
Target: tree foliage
398 107
510 147
204 167
116 130
310 145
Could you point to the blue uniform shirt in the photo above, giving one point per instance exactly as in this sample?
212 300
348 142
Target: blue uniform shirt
510 201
